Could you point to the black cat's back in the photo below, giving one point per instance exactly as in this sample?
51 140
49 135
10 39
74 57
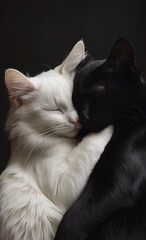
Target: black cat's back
129 223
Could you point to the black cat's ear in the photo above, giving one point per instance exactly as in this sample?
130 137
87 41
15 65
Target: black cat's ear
121 55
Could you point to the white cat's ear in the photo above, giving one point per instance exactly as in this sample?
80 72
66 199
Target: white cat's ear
76 55
17 85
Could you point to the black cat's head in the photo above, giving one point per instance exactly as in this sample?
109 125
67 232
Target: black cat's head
104 91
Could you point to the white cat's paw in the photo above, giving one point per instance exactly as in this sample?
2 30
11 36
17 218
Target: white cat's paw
104 135
107 133
97 141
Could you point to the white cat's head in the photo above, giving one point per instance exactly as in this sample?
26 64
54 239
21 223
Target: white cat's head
44 103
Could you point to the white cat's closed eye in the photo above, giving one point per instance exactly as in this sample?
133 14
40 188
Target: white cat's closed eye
53 110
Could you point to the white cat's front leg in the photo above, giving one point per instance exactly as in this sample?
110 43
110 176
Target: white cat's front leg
79 165
25 213
93 145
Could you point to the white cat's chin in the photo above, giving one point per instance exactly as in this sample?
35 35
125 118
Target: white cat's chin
72 133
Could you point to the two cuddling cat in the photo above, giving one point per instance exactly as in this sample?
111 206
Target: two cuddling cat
49 166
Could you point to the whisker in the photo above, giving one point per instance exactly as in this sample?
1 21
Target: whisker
43 64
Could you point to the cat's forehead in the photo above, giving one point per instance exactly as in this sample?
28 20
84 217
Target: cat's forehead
53 88
51 80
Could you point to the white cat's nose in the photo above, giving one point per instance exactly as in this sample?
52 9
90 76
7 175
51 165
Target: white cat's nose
74 121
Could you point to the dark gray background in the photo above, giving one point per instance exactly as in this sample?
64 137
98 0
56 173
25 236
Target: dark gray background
34 34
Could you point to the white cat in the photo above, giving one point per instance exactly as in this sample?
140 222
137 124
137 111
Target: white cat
48 168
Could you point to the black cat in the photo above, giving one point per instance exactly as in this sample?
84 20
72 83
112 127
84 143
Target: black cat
112 206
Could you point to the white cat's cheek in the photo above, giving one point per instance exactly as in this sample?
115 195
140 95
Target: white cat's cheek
55 117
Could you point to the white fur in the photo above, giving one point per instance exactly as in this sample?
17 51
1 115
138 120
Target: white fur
48 168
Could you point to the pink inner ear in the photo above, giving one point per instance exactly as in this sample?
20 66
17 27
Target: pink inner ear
76 55
20 88
18 101
32 87
18 85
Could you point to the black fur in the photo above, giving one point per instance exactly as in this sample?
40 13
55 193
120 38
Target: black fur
112 205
